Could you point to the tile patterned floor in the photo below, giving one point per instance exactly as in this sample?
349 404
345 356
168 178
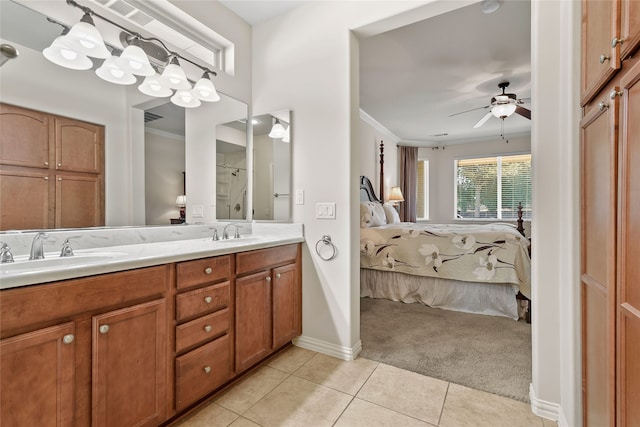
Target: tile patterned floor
303 388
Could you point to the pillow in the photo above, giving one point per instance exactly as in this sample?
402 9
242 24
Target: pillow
372 215
392 214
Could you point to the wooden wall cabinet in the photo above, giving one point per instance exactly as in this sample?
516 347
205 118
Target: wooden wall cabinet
610 218
268 302
58 162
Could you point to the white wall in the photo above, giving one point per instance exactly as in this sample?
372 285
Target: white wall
371 133
307 61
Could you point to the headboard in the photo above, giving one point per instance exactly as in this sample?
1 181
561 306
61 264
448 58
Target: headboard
367 193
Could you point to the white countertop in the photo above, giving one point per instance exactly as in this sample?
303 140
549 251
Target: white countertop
108 259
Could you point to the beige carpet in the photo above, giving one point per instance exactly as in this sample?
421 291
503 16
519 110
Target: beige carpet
489 353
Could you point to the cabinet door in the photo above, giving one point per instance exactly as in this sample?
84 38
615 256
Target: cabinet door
37 378
598 261
599 60
130 366
78 146
25 137
24 197
286 304
79 201
629 26
253 318
629 268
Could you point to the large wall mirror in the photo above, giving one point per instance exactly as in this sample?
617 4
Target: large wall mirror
154 150
272 139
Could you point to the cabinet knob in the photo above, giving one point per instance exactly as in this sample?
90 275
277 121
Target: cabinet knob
208 300
46 178
616 41
207 369
207 328
59 179
46 163
208 270
277 275
602 105
615 93
268 278
103 329
59 165
603 58
68 339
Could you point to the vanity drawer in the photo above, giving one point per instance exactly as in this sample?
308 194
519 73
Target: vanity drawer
262 259
200 271
200 301
201 371
201 329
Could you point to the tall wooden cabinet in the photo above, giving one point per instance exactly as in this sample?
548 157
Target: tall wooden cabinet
610 213
58 162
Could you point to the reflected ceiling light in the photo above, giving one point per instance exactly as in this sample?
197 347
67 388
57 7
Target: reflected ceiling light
111 72
134 61
287 135
184 98
85 38
490 6
153 86
59 53
174 77
277 131
502 111
204 89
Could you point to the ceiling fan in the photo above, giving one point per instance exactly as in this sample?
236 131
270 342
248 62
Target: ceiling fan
502 106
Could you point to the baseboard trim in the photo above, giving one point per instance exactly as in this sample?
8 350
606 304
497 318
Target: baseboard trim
330 349
543 408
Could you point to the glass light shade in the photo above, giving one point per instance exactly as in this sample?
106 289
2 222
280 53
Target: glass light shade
503 110
174 77
85 38
153 86
277 131
59 53
395 195
110 72
181 200
185 98
133 60
204 89
287 135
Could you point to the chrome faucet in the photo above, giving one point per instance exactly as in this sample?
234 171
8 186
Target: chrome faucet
36 246
5 253
225 233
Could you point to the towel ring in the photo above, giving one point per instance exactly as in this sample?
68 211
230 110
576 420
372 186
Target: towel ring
326 241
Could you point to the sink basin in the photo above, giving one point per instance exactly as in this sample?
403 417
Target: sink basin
240 240
23 264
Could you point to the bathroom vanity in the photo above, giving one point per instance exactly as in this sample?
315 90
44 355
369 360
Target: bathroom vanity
149 338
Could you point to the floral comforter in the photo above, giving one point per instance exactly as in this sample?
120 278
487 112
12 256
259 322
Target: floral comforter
491 253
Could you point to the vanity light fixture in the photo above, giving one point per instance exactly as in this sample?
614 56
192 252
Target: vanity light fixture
287 135
83 40
277 131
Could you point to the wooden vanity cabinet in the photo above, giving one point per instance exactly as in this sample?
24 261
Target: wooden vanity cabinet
204 328
268 302
89 351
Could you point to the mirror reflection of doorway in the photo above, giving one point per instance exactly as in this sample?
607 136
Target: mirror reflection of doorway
231 181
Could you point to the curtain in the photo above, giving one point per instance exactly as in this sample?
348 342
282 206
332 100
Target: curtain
408 174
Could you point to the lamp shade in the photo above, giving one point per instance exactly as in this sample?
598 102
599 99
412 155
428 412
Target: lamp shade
85 38
133 60
153 86
503 110
185 98
395 196
61 54
174 77
204 89
277 131
181 200
111 72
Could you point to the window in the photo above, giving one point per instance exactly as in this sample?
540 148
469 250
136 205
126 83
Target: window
422 189
492 187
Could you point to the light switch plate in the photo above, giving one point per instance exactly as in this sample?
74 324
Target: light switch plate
198 211
299 196
326 210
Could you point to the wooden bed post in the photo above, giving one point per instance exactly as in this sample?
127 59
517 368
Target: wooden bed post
520 227
382 171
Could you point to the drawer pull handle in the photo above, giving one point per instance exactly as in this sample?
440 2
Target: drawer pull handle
46 163
208 300
104 329
207 328
208 270
207 369
268 278
277 275
68 339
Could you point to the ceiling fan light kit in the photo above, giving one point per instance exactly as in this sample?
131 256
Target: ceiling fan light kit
501 106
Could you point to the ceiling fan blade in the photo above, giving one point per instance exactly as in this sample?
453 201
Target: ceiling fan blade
523 112
473 109
483 120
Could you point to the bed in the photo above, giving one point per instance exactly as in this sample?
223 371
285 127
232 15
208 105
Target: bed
475 268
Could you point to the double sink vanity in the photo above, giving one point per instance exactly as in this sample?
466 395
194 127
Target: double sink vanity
140 325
